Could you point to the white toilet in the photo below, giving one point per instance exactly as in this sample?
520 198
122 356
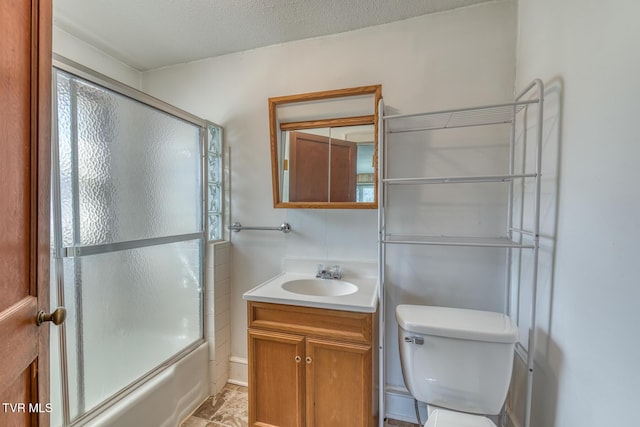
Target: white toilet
458 361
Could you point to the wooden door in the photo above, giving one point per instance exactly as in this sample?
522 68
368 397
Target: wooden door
343 171
276 379
338 384
309 169
25 121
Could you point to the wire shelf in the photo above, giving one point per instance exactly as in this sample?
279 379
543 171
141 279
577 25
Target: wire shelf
493 242
456 179
464 117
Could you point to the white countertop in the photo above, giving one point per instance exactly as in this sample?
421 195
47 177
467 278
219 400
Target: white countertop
365 299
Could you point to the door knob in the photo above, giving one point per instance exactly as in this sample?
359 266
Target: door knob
57 317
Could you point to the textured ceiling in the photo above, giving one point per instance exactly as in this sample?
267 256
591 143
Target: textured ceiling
148 34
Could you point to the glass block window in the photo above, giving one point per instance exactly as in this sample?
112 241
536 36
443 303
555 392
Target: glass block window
214 182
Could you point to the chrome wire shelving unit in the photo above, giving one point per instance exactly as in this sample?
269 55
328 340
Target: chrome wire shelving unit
528 103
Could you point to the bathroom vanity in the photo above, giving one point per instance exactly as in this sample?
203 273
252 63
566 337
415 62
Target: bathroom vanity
312 358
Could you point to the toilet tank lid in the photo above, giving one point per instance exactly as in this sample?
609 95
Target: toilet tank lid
457 323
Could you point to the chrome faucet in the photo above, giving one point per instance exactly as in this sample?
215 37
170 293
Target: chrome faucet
334 272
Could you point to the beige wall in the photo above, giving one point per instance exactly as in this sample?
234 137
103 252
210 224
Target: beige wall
587 54
85 54
458 58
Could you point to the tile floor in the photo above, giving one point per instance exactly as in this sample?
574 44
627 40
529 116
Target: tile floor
229 409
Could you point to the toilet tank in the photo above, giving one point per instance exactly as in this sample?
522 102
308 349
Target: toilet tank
456 358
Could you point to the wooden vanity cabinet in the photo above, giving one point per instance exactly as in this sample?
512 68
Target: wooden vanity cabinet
310 367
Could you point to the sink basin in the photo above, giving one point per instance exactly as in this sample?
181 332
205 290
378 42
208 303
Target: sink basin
320 287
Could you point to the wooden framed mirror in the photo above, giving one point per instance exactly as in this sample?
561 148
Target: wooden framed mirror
324 149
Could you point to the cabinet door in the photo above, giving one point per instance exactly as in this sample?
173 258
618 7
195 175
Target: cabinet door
338 384
276 379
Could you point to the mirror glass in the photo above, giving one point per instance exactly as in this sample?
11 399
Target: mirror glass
324 149
335 164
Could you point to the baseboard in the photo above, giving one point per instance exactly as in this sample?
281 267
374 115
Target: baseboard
240 383
238 371
399 405
512 420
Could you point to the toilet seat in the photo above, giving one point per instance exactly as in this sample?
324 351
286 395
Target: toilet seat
445 418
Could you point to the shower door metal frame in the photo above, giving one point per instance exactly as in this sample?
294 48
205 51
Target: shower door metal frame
60 252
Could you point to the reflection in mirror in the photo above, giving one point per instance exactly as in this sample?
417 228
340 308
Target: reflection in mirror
324 148
335 164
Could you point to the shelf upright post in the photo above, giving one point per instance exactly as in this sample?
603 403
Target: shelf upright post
382 379
531 347
512 142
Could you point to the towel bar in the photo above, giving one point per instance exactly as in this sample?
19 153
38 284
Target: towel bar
237 227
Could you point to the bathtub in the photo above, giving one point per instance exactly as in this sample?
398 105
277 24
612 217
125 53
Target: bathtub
165 399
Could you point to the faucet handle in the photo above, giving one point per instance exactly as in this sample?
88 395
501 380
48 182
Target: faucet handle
336 271
320 270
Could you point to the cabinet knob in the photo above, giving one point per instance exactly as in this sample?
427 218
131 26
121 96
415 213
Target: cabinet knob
298 359
308 359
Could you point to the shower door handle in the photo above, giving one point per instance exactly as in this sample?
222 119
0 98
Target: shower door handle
57 317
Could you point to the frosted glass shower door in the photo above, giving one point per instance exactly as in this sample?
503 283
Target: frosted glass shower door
128 238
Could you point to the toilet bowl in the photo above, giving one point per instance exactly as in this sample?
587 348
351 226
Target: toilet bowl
456 360
446 418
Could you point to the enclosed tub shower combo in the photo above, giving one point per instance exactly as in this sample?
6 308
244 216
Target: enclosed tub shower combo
129 210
